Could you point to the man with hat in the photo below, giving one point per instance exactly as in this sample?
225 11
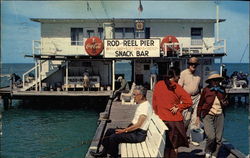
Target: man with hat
210 109
190 82
124 88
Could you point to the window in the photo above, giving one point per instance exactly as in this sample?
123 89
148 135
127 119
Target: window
100 32
119 32
77 36
90 33
196 36
129 32
147 33
140 35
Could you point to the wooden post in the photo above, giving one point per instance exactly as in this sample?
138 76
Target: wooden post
67 74
40 80
36 73
113 75
6 102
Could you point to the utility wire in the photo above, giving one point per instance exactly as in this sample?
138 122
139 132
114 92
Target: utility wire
243 54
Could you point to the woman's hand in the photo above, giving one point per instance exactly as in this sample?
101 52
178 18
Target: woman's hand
174 109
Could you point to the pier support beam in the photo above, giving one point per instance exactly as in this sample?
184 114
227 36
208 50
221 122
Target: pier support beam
7 102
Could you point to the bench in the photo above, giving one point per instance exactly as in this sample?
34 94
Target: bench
127 98
154 144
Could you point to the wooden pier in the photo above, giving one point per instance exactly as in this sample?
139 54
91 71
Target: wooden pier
118 115
239 93
8 95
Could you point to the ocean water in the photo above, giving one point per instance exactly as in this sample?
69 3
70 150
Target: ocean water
54 133
65 133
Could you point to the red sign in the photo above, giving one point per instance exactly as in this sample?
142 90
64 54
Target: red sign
170 43
93 46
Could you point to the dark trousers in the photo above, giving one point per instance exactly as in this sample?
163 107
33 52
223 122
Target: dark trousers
111 140
213 125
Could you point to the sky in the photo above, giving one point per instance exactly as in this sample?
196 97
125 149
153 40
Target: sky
17 31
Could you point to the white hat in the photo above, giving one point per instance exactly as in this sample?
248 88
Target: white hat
119 78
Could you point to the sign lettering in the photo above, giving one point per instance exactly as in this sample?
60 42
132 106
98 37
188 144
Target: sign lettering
131 48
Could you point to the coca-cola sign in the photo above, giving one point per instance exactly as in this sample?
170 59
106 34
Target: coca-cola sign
94 46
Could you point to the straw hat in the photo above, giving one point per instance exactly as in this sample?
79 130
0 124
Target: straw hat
193 60
214 75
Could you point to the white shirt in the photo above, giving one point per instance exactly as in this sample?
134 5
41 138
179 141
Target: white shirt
144 108
190 82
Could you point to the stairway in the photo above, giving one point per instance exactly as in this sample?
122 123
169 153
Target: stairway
46 69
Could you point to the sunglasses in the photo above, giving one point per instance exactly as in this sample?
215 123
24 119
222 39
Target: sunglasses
193 64
135 94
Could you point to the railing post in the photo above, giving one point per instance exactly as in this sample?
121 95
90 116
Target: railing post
113 75
181 46
36 73
23 80
40 80
67 73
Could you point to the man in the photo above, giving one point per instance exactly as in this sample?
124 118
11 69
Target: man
86 79
190 81
136 132
124 88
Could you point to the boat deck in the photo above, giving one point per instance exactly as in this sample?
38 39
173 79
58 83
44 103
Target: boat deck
121 115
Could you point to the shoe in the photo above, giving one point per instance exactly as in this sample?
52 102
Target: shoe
195 143
207 155
98 154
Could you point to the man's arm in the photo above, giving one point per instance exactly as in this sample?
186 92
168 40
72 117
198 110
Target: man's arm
139 123
181 80
123 85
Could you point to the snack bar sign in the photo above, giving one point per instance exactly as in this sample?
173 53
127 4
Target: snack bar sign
131 48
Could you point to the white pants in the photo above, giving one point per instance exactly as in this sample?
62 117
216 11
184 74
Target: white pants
192 116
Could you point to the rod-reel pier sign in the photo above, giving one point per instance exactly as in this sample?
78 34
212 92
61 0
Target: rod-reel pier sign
131 48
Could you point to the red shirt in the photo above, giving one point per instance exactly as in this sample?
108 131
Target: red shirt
164 99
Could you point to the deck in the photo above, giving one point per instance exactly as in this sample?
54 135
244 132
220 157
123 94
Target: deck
121 115
238 91
18 94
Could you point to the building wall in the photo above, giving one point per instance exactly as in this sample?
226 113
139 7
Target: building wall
56 37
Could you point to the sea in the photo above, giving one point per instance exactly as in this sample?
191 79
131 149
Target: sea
67 133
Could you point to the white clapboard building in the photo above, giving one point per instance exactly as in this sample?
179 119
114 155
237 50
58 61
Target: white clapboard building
70 47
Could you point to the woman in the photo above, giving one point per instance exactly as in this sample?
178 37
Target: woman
169 100
210 109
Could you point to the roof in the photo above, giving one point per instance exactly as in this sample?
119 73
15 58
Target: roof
58 20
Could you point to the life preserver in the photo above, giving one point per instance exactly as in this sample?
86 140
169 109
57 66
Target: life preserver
170 39
93 46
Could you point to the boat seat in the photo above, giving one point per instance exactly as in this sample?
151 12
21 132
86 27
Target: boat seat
127 98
